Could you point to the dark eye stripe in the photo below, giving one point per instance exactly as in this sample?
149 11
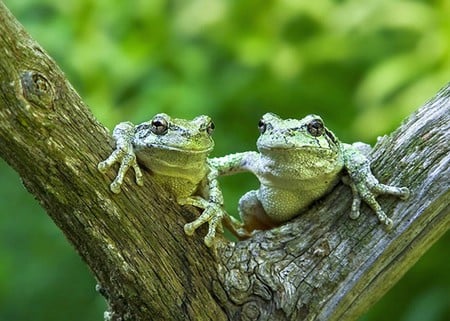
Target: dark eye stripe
331 136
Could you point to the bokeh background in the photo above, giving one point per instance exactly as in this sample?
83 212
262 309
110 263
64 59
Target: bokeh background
362 65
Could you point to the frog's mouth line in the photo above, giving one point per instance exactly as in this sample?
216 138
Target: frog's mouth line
184 167
295 148
182 150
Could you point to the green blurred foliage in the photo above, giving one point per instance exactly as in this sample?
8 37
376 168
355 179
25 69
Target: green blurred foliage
362 65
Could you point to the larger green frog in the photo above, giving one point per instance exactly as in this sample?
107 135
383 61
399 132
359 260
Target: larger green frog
176 151
298 162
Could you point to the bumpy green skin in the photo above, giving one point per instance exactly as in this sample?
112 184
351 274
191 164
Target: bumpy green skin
176 150
298 162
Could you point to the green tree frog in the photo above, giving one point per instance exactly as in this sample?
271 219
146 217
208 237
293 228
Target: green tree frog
298 162
176 150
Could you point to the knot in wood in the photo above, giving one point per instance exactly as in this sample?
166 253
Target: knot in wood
250 312
323 248
37 89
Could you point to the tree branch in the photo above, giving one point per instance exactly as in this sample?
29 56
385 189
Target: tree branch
134 242
321 266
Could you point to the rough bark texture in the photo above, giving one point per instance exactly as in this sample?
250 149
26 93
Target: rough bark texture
325 266
321 266
134 242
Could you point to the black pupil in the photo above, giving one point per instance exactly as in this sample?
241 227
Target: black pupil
315 128
262 126
210 128
159 126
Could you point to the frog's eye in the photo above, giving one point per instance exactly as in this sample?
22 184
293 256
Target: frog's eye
262 126
316 128
159 126
210 128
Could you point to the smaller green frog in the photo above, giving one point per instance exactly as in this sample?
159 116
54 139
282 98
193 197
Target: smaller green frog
298 162
176 150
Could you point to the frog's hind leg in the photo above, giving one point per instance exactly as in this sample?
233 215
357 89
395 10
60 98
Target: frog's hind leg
236 227
253 214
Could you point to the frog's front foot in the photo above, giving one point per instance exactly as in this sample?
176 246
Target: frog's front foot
212 213
368 190
404 193
126 159
123 154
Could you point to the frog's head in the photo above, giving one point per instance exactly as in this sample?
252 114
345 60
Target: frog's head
307 135
177 135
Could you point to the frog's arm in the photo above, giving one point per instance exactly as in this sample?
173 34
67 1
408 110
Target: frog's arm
235 163
365 185
214 212
123 134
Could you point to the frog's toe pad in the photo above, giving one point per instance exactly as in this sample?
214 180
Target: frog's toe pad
209 240
115 187
139 181
102 167
189 229
405 193
388 223
354 214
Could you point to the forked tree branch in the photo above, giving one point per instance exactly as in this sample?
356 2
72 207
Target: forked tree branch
320 266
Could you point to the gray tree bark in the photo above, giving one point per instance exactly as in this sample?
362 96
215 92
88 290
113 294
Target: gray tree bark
320 266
